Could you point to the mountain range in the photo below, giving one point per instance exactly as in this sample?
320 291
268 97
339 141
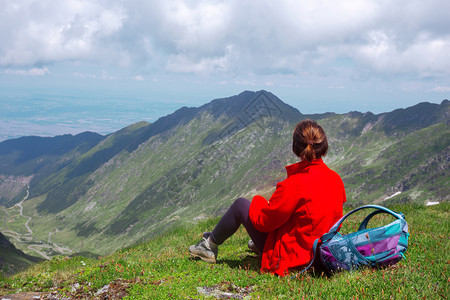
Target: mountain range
95 194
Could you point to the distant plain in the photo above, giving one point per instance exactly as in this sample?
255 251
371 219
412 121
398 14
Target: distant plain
57 112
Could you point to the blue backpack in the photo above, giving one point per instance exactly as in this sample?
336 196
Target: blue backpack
374 247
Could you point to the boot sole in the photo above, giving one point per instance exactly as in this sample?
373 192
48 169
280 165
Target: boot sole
206 259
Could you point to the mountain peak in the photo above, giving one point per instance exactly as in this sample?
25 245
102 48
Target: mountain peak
250 105
246 108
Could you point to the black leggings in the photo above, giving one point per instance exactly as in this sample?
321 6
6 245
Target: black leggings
236 215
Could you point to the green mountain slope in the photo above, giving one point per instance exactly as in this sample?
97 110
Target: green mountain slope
28 160
190 165
13 260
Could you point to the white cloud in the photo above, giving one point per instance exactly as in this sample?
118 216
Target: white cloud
138 78
246 82
185 64
30 72
104 75
53 31
441 89
424 55
231 37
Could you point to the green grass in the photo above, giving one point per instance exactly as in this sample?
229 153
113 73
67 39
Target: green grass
161 269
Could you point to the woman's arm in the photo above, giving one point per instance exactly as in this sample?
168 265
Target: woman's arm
268 216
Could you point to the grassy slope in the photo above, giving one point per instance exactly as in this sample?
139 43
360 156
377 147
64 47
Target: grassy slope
161 268
374 165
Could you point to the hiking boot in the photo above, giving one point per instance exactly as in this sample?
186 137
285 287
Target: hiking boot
251 245
204 250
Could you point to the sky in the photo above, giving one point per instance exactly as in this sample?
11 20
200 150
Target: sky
318 55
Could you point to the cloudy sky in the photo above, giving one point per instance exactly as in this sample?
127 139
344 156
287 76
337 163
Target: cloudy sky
318 55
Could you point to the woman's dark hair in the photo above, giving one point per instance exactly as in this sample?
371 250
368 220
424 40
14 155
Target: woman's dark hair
309 140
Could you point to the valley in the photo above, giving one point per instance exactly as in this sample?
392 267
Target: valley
24 239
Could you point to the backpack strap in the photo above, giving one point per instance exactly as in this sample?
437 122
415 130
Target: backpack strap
379 209
366 220
312 260
314 255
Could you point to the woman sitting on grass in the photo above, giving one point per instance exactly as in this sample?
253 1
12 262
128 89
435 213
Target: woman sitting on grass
303 207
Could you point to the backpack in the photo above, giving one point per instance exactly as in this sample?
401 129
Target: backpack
374 247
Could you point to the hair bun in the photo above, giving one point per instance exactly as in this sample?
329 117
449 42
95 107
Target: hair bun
309 133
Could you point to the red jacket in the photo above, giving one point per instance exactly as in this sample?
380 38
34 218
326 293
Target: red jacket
303 207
